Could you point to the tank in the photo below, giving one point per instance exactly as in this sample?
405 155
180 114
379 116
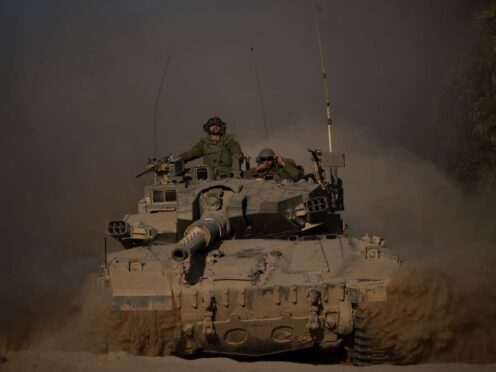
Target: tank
251 267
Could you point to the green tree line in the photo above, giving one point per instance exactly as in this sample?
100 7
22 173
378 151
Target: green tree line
476 100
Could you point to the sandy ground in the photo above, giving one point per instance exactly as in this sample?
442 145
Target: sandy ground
122 362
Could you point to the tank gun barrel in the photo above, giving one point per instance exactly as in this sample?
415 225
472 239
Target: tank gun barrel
200 235
148 170
153 165
168 165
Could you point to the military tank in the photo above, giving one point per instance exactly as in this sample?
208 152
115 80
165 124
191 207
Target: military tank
252 267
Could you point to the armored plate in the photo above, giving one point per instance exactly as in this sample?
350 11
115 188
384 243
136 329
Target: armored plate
258 296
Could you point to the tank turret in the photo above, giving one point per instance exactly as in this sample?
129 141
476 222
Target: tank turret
204 210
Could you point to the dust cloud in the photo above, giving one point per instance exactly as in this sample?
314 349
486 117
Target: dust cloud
442 312
90 325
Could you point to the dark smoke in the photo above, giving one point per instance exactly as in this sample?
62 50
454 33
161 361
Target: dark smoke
78 88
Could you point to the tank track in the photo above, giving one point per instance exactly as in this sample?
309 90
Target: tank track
367 347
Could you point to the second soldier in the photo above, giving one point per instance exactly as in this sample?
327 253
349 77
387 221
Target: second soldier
272 166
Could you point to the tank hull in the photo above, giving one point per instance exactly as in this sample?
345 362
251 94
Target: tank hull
256 297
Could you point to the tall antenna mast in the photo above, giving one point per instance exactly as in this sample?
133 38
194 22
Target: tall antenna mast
259 91
164 74
324 79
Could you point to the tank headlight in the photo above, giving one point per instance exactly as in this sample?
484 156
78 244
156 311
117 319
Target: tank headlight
372 253
135 266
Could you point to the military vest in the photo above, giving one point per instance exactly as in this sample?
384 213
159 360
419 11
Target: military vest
218 153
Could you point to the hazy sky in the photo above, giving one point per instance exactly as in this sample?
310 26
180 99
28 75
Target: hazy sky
91 68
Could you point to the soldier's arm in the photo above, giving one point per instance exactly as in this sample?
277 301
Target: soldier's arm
235 148
194 153
291 168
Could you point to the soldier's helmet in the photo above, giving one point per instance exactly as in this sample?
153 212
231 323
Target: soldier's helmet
266 154
215 121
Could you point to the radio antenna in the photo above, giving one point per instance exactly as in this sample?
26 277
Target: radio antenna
324 79
164 74
259 91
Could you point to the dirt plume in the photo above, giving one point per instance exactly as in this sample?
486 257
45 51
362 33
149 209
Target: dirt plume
96 328
438 313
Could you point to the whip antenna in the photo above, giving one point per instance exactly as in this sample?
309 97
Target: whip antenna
324 79
259 90
164 74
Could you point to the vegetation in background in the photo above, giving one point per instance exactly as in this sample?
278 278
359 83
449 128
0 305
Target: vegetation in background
476 98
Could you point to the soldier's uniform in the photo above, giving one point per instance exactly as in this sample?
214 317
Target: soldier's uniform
216 154
289 171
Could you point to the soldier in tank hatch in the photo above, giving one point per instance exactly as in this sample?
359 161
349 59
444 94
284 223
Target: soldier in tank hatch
217 148
272 166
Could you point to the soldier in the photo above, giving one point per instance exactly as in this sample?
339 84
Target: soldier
217 148
272 166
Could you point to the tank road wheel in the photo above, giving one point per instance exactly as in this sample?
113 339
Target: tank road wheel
367 346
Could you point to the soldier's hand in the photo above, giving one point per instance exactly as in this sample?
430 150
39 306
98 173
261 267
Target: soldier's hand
280 160
263 166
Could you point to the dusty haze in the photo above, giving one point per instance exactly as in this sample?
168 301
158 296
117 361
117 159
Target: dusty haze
79 82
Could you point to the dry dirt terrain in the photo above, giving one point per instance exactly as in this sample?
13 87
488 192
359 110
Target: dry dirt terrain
122 362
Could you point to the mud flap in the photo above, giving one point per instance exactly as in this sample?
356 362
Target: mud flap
140 291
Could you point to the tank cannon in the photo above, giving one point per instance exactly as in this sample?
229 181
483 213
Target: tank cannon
200 235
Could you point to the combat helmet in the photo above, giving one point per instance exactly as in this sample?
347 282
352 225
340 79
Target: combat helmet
215 120
266 153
